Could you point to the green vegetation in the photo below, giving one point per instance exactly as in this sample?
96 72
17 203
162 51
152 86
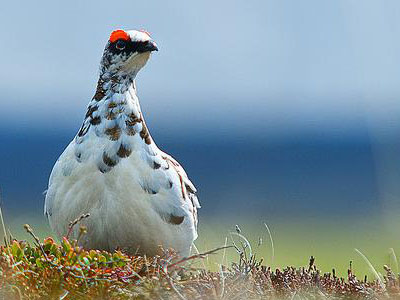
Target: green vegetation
331 240
50 270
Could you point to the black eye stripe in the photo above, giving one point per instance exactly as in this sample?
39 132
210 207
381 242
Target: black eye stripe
129 46
120 44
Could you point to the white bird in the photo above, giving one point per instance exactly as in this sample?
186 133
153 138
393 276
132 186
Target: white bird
138 197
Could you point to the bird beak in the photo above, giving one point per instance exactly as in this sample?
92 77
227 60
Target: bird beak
148 46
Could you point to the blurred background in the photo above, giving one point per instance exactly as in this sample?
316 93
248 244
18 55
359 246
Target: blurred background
284 112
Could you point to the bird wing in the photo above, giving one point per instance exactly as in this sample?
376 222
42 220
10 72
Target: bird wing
169 179
172 193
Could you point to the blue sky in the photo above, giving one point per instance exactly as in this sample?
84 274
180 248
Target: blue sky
248 71
270 66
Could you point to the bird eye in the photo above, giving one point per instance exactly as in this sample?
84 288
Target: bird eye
120 45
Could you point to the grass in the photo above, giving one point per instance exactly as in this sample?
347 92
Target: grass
66 271
332 243
295 240
45 269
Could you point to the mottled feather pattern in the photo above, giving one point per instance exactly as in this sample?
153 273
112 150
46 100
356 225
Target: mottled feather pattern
136 194
118 142
126 120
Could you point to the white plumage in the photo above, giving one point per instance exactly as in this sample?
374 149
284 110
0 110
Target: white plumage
138 197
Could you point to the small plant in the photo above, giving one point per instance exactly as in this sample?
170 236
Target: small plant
50 270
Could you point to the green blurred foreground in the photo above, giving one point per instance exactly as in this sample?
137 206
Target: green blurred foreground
331 242
49 270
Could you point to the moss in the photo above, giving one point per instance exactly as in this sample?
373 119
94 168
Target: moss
64 270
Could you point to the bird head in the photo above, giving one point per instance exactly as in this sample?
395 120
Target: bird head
127 52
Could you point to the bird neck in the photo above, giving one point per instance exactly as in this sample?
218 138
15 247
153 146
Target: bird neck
114 118
113 83
114 111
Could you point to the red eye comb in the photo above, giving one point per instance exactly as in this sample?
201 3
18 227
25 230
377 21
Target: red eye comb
117 35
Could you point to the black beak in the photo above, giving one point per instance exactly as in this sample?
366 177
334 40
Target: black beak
147 46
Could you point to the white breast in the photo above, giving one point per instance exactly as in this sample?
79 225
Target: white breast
122 213
137 201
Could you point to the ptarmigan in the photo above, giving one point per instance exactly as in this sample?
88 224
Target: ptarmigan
138 197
